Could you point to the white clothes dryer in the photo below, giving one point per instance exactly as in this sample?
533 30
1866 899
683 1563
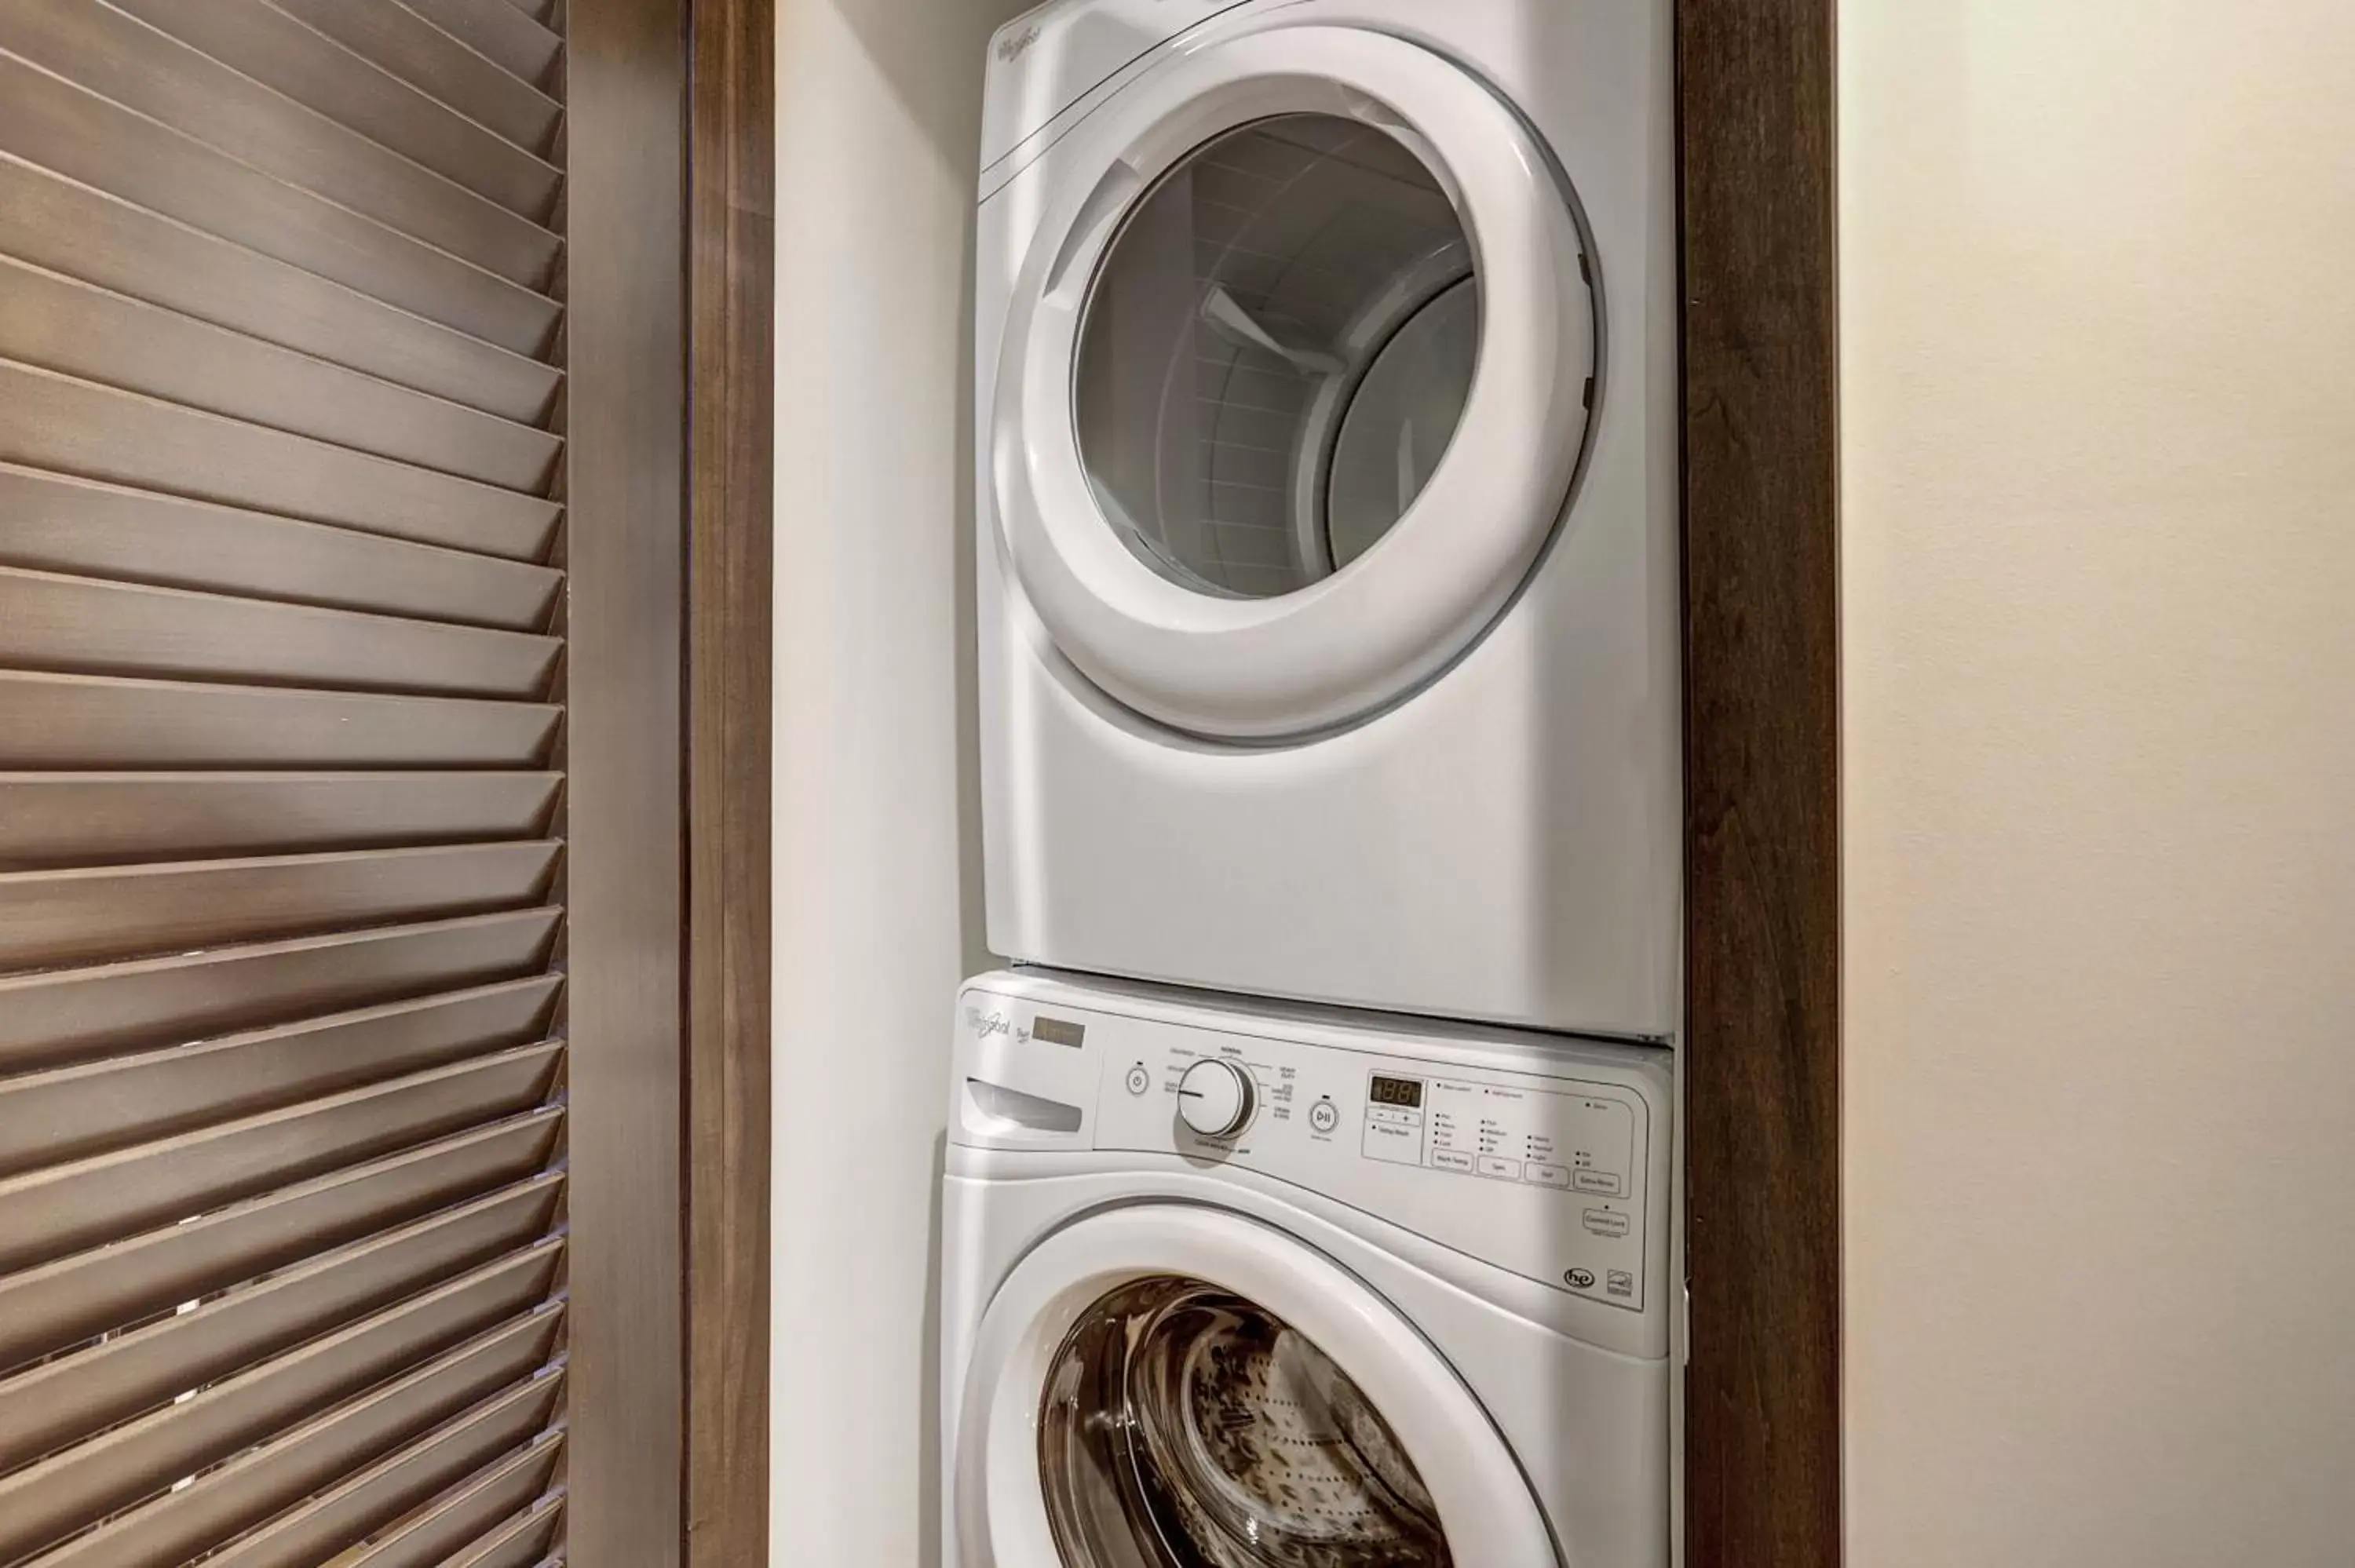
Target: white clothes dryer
1328 565
1243 1287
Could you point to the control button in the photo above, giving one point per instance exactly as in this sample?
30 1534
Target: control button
1604 1181
1394 1145
1504 1169
1451 1159
1619 1282
1605 1222
1323 1115
1139 1080
1216 1096
1546 1175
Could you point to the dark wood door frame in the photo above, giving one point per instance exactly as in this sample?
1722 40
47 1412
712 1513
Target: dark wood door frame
731 285
625 418
1756 117
671 359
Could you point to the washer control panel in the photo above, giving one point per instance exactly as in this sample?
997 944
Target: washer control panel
1572 1141
1541 1155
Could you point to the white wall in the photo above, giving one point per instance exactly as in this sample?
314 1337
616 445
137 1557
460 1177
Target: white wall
878 110
2098 318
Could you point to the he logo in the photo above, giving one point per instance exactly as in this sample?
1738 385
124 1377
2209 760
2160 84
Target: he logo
1013 46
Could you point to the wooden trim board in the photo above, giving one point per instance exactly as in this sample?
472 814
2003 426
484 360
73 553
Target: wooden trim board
625 546
1756 100
732 282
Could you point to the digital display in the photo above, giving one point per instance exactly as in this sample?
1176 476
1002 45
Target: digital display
1058 1031
1407 1092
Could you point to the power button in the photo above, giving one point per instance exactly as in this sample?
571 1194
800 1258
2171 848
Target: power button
1139 1080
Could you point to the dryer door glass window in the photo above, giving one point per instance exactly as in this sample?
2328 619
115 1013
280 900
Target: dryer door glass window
1183 1427
1276 352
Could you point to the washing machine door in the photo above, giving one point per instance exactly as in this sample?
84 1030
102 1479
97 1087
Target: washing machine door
1170 1386
1296 377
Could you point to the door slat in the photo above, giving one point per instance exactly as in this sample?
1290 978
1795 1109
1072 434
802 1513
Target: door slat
48 1213
70 1113
53 1016
496 31
416 51
265 43
101 721
49 120
57 819
121 57
56 323
520 1542
55 221
251 1486
73 426
46 1309
453 1523
77 528
91 914
49 622
74 1396
310 1532
130 1461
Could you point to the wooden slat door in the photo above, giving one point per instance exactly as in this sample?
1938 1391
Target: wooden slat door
291 773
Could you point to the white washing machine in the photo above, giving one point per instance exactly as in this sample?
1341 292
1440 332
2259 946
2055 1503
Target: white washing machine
1328 567
1229 1287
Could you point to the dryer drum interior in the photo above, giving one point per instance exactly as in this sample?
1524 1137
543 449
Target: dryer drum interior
1277 351
1184 1426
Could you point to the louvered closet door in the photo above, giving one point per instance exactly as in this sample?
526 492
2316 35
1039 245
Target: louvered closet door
282 783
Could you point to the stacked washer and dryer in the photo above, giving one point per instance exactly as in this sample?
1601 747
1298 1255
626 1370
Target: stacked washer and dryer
1311 1192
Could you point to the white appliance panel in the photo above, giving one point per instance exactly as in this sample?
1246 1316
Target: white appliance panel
1070 1181
1548 1159
1503 844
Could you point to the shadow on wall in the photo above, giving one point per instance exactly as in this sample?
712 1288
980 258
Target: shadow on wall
879 909
929 1481
938 78
933 53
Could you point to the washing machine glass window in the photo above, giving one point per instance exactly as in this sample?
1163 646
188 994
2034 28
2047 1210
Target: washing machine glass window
1185 1426
1276 352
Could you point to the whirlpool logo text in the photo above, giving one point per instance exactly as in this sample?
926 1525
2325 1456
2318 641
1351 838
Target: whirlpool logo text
1015 45
986 1026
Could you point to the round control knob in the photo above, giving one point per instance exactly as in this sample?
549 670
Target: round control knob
1215 1097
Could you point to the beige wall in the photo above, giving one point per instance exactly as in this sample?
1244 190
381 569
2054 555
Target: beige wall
2098 314
879 125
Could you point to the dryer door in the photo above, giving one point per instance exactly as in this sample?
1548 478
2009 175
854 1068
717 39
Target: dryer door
1178 1387
1296 377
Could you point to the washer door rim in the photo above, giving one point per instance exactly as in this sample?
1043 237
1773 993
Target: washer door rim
1486 1507
1258 669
